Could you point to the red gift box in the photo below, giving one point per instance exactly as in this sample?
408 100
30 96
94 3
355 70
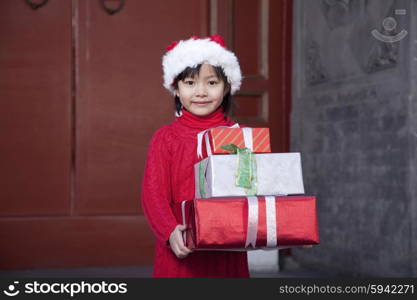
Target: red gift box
275 221
212 140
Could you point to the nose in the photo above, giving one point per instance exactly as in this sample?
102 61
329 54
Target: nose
201 90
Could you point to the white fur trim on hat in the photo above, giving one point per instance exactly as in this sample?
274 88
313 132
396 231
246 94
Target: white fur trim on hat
192 52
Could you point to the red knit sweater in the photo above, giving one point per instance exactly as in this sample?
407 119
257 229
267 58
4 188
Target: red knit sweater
169 179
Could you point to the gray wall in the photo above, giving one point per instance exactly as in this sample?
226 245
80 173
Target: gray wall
354 121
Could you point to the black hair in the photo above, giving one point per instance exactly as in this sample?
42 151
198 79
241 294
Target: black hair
191 72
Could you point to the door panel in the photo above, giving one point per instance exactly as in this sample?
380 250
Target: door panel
35 95
74 242
35 128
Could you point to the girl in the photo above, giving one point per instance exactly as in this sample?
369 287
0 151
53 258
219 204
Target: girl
202 75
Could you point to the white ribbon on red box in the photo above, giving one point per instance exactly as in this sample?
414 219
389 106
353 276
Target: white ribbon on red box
253 220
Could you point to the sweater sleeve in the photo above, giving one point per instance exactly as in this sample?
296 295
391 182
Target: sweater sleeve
156 188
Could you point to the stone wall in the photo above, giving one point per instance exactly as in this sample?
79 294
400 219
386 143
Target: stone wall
354 121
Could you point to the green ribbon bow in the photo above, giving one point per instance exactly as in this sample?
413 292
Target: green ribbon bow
246 168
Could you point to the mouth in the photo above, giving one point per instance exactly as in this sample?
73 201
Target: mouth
201 103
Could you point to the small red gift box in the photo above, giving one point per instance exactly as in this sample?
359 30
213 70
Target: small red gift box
211 141
245 223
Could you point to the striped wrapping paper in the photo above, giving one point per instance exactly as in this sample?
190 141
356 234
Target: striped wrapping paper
223 136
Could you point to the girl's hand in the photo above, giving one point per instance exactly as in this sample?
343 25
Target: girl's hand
177 243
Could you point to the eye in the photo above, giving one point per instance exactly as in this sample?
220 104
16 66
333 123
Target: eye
189 82
213 82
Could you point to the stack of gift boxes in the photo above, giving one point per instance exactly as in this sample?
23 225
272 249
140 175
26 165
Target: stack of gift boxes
245 196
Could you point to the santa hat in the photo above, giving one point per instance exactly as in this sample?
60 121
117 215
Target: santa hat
195 51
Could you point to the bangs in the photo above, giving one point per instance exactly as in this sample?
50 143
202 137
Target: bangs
191 72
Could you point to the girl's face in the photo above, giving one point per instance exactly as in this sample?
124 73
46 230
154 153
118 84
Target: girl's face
202 94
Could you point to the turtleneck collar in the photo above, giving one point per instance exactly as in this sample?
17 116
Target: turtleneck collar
216 118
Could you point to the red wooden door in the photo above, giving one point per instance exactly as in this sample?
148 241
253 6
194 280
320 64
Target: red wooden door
81 94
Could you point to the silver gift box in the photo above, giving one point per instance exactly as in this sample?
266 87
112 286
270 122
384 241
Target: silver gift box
277 174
